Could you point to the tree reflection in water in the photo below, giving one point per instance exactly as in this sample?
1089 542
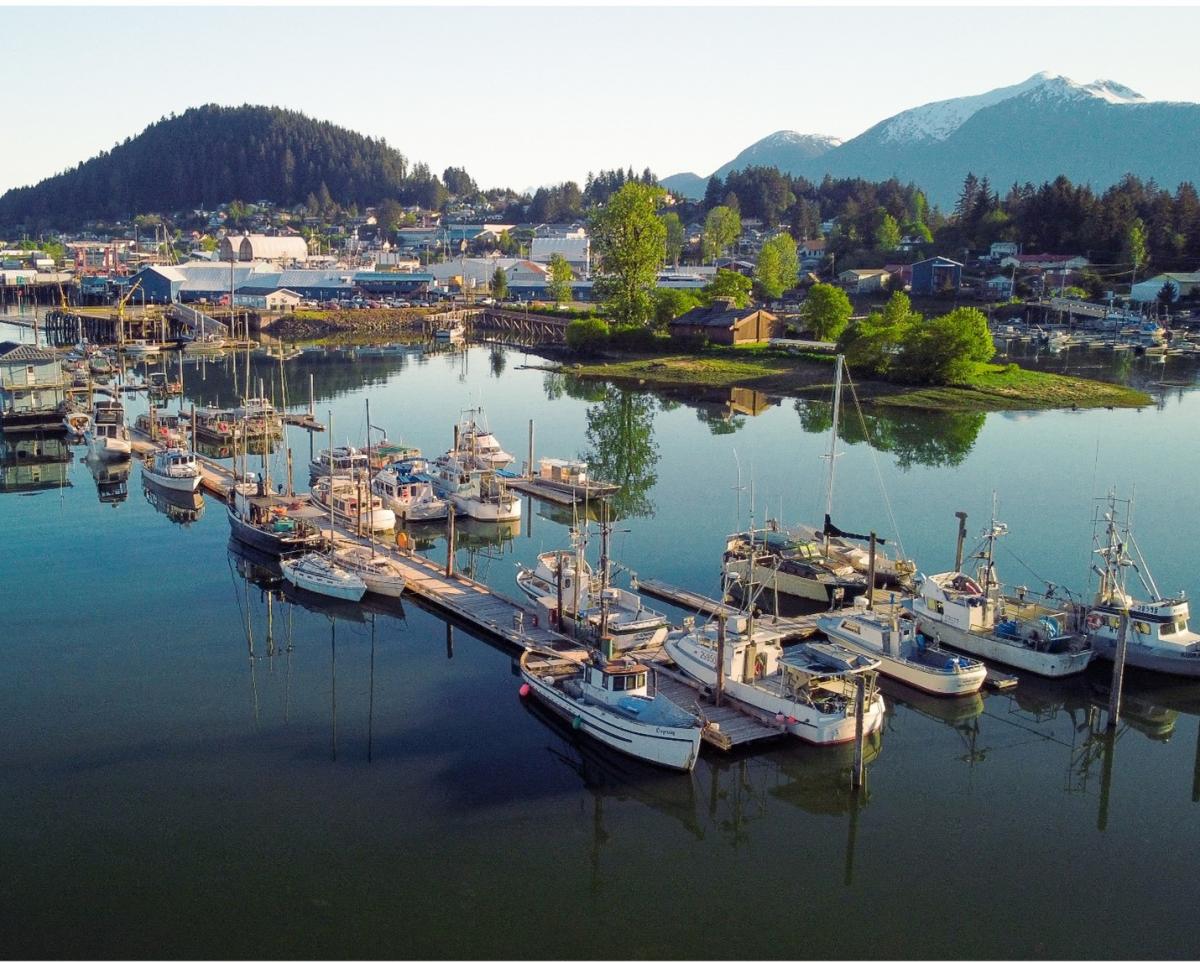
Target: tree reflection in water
620 437
935 439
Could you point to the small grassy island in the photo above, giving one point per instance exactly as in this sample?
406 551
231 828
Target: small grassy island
991 387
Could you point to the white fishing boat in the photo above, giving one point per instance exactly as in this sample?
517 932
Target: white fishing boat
352 502
108 436
1158 637
974 615
476 446
571 478
173 468
318 573
473 492
140 348
412 498
904 653
381 575
811 689
610 701
453 333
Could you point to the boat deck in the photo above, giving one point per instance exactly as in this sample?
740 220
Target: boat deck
215 478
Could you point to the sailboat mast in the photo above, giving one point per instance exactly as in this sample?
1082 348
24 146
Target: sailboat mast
329 490
370 494
833 432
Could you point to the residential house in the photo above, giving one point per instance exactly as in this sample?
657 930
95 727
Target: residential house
722 323
936 275
1000 286
811 252
863 280
1045 262
32 388
1002 249
1182 286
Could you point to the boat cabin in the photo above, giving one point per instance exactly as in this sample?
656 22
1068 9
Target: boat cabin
340 461
1149 622
400 487
560 472
611 681
957 600
175 462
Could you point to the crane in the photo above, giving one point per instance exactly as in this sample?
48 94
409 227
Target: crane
121 310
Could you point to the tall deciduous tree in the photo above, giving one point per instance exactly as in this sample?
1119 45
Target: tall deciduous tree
947 349
722 227
778 267
826 311
728 284
871 344
559 279
887 235
675 237
630 240
1134 251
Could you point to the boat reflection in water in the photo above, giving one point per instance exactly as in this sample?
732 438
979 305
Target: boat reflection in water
112 479
183 508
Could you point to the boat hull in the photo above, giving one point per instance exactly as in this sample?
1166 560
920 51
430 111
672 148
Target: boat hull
110 449
171 482
770 579
662 745
487 511
271 543
1142 657
919 677
1050 664
351 590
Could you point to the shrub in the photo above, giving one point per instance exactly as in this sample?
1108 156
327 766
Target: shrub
587 335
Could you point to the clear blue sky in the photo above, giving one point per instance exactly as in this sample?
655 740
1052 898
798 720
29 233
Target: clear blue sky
528 96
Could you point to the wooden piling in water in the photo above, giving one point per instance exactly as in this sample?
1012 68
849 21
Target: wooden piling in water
860 686
1118 676
871 575
450 541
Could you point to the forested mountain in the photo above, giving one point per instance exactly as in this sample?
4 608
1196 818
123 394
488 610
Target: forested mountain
211 154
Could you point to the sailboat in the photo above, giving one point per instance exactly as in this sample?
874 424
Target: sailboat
381 575
319 573
819 565
1157 635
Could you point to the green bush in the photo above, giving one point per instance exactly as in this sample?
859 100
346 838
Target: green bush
587 335
634 337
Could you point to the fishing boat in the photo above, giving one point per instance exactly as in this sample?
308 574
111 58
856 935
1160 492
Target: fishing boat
613 617
346 461
108 436
476 446
453 333
170 430
320 574
904 653
1158 637
140 348
473 492
810 689
405 493
610 701
173 468
974 615
353 503
270 522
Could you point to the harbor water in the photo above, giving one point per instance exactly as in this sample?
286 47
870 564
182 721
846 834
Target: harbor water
197 764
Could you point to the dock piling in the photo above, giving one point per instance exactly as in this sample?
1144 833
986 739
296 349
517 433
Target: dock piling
871 575
529 471
450 542
1118 676
856 777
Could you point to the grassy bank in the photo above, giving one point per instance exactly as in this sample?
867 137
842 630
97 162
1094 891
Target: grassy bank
992 388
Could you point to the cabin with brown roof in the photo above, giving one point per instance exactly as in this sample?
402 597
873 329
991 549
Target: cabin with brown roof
722 323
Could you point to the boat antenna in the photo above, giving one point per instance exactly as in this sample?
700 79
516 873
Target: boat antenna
737 524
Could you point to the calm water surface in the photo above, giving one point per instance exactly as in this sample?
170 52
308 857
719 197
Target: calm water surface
197 765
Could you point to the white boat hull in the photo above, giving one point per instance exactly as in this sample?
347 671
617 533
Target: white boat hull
173 483
350 588
661 745
1146 657
1050 664
920 677
487 511
770 580
806 723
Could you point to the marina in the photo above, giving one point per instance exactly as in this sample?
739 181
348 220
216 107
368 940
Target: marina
440 708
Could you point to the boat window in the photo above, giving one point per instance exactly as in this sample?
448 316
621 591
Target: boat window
1172 629
641 680
939 607
851 627
1141 628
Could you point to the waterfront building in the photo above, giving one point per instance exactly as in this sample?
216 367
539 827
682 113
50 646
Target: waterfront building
722 323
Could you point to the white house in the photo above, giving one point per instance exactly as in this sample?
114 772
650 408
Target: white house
1000 286
266 298
1000 249
863 280
576 249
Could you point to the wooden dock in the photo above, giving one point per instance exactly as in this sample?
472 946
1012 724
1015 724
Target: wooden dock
530 486
215 478
685 598
305 421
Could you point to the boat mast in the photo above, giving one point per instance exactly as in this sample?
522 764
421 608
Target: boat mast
837 407
329 490
370 493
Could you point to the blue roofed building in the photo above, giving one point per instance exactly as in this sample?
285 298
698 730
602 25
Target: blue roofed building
158 284
936 275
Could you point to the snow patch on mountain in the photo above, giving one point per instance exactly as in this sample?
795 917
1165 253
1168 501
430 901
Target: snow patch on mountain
938 120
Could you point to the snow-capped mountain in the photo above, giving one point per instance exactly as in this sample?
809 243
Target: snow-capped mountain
1031 131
